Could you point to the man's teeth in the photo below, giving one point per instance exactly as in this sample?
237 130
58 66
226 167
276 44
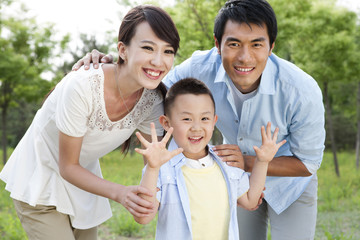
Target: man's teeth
244 69
154 74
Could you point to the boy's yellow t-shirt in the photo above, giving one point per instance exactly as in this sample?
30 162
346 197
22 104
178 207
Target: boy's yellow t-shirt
209 201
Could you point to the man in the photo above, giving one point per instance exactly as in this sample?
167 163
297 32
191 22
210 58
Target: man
252 86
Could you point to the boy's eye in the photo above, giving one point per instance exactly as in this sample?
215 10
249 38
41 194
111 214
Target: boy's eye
186 119
205 119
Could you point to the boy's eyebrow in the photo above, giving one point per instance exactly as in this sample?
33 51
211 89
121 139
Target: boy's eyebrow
189 113
232 39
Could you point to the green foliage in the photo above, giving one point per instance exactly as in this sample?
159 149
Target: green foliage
338 201
194 20
126 171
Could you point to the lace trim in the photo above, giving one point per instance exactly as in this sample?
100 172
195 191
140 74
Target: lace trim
99 119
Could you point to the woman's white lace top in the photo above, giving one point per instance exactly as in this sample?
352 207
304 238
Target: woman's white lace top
77 108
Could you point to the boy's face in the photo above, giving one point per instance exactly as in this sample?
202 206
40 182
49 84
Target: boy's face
193 119
244 52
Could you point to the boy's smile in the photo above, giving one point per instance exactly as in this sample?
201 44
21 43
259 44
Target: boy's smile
193 119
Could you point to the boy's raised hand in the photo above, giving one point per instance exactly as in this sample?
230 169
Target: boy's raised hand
155 152
269 147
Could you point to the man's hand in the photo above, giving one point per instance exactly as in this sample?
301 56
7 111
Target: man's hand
231 154
94 57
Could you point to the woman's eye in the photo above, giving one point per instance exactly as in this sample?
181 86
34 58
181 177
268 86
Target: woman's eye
147 48
169 51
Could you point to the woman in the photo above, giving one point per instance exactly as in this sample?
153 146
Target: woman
54 174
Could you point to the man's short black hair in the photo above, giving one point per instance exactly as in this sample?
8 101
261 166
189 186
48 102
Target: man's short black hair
257 12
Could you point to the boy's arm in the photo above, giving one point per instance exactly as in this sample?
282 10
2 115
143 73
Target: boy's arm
156 155
264 155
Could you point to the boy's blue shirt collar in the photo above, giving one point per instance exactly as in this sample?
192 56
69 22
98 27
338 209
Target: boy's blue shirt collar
181 158
268 77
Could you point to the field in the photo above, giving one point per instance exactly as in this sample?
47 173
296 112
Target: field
338 203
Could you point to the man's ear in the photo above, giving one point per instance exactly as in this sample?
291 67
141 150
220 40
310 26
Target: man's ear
217 45
164 121
272 47
122 50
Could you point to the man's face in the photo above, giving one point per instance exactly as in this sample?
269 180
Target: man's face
244 52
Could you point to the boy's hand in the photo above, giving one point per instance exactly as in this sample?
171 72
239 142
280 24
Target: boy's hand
94 57
156 153
269 147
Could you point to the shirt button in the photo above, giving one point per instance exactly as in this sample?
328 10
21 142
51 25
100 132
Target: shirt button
241 139
245 153
168 177
237 121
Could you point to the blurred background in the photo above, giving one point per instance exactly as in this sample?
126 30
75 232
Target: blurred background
41 40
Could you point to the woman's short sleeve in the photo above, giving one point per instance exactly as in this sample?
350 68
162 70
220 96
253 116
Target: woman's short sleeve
157 111
74 104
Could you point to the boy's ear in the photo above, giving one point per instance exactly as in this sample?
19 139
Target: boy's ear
215 119
164 121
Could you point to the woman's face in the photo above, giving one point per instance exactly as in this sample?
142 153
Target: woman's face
147 58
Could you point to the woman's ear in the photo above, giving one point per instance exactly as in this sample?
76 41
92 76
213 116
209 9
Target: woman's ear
164 121
122 51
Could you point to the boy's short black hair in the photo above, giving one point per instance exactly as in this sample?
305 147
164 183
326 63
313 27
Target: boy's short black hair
185 86
257 12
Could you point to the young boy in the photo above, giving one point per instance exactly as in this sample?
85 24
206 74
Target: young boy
197 193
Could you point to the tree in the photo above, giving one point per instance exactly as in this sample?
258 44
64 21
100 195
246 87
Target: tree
194 20
25 51
323 44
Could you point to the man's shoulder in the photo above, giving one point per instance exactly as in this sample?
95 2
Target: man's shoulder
206 56
293 76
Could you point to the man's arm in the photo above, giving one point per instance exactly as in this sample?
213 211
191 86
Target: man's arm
280 166
94 57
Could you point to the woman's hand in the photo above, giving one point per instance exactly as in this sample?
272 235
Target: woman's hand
155 152
93 57
136 205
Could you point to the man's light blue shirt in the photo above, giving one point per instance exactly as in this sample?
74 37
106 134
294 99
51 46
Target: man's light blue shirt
174 217
287 97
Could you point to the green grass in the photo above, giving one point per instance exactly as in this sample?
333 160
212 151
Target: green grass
338 202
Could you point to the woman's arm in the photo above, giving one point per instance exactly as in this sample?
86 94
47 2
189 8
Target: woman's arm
74 173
